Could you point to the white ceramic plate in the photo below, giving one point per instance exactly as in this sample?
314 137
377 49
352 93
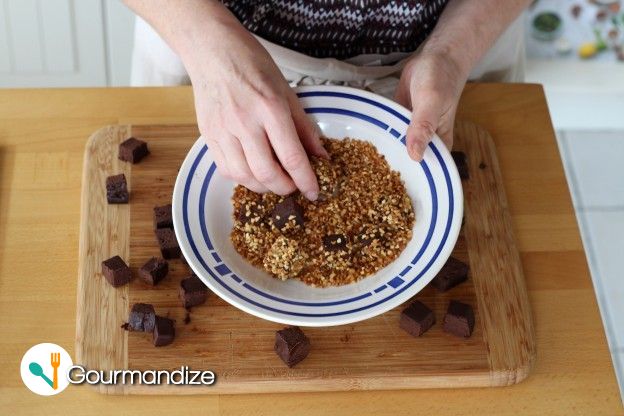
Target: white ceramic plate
202 216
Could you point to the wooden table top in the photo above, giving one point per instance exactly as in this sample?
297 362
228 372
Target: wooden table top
42 138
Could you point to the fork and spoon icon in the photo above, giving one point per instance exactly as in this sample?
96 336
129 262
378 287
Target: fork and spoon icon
55 361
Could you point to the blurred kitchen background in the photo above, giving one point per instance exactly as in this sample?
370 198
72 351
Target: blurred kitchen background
575 48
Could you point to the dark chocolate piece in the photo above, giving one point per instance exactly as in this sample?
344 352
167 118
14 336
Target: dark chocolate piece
168 243
453 273
142 318
116 271
334 242
291 345
252 212
459 319
117 189
164 331
416 319
193 291
460 161
154 270
163 217
132 150
286 211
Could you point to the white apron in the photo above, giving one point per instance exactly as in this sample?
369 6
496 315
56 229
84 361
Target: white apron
155 64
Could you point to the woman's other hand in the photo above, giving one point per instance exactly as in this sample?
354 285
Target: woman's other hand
430 86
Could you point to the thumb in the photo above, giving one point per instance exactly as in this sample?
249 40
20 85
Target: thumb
306 130
424 123
445 129
401 95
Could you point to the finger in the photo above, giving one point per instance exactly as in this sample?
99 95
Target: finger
306 129
291 154
264 167
238 168
425 118
217 155
445 130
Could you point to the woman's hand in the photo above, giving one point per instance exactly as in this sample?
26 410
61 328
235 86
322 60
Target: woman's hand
255 128
432 82
430 86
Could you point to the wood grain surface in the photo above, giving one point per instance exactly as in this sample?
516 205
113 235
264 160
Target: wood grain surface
42 147
370 355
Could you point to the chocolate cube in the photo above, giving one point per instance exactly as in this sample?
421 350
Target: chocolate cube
163 217
116 271
416 319
168 243
334 242
142 318
459 319
117 189
452 273
154 270
132 150
291 345
462 165
287 211
329 176
193 291
164 331
251 212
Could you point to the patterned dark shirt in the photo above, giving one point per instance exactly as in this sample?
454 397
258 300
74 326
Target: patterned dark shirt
340 28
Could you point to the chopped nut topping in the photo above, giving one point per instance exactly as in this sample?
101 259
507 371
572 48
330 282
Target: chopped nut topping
361 222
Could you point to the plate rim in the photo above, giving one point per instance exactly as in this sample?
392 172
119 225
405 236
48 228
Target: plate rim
371 311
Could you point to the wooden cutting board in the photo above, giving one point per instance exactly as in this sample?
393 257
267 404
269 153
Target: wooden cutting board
371 355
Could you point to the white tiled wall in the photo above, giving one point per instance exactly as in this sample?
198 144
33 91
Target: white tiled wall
594 163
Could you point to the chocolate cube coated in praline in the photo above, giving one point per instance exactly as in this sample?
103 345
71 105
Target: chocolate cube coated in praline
334 242
287 211
416 319
142 317
154 270
459 319
292 345
117 189
452 273
168 243
163 217
164 331
116 271
132 150
193 291
252 212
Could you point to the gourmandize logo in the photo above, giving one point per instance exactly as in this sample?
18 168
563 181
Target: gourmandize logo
44 369
55 360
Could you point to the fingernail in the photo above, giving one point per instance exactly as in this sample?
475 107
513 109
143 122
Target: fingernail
311 195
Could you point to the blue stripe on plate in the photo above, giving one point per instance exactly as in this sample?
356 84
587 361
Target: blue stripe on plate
378 123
